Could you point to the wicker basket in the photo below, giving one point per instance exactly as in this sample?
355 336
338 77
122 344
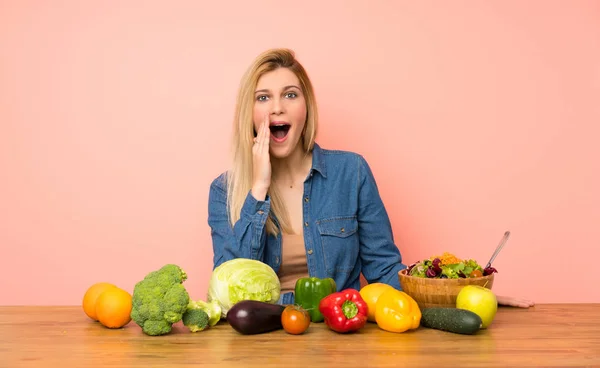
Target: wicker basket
439 292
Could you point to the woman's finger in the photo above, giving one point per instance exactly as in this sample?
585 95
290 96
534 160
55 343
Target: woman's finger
267 131
258 138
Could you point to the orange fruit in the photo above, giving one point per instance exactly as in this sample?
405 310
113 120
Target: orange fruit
91 295
370 293
113 308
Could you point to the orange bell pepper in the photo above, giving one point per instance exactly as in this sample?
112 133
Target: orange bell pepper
397 311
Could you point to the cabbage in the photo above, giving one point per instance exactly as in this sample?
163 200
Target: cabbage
243 279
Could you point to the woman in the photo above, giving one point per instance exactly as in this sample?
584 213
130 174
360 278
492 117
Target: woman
301 209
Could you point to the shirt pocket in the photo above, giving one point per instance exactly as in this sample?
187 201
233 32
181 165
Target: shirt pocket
340 243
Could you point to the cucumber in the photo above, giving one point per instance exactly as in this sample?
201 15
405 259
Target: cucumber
460 321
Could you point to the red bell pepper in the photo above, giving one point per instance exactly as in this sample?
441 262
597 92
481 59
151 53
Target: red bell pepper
344 311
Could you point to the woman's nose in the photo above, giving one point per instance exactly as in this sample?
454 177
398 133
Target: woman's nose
277 107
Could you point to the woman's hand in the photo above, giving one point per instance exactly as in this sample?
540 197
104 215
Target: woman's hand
514 302
261 179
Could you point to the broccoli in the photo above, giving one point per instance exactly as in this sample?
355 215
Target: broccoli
195 319
212 309
159 300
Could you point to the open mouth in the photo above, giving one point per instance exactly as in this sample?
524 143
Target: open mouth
279 130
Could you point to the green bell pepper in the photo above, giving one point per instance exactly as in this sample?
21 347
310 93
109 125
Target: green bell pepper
308 294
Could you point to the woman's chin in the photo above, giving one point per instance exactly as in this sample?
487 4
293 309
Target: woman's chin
282 150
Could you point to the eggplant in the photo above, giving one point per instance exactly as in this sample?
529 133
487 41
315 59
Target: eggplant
250 317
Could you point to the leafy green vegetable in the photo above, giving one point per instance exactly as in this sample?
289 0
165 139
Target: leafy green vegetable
435 269
450 273
243 279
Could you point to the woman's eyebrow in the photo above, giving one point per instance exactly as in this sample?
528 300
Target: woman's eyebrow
290 87
284 88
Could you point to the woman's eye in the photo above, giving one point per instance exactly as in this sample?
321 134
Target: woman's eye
291 95
261 98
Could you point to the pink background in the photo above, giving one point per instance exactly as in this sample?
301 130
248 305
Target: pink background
477 117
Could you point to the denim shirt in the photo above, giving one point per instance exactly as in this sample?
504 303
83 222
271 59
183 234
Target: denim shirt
346 228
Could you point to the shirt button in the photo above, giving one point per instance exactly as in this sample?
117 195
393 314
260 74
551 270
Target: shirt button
260 212
306 199
277 260
306 224
310 251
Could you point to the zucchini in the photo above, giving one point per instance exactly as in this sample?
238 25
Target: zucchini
460 321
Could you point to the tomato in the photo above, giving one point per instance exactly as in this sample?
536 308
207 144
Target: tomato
476 273
295 319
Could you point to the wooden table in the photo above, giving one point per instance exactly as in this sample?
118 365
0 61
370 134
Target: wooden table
545 335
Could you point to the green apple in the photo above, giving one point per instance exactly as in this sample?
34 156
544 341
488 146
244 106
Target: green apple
479 300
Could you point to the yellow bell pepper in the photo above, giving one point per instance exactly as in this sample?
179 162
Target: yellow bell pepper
397 311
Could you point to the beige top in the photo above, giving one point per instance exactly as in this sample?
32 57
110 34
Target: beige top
293 261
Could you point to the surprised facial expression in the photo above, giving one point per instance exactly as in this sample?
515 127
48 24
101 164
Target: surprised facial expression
279 96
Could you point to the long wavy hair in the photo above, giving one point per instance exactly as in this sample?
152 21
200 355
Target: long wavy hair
239 177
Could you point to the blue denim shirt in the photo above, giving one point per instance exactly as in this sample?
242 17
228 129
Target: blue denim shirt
346 228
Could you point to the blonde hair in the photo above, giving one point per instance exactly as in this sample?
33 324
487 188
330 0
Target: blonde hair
239 178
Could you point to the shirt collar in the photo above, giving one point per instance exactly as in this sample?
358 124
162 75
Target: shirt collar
318 162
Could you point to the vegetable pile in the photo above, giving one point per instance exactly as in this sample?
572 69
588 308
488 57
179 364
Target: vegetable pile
448 266
246 293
